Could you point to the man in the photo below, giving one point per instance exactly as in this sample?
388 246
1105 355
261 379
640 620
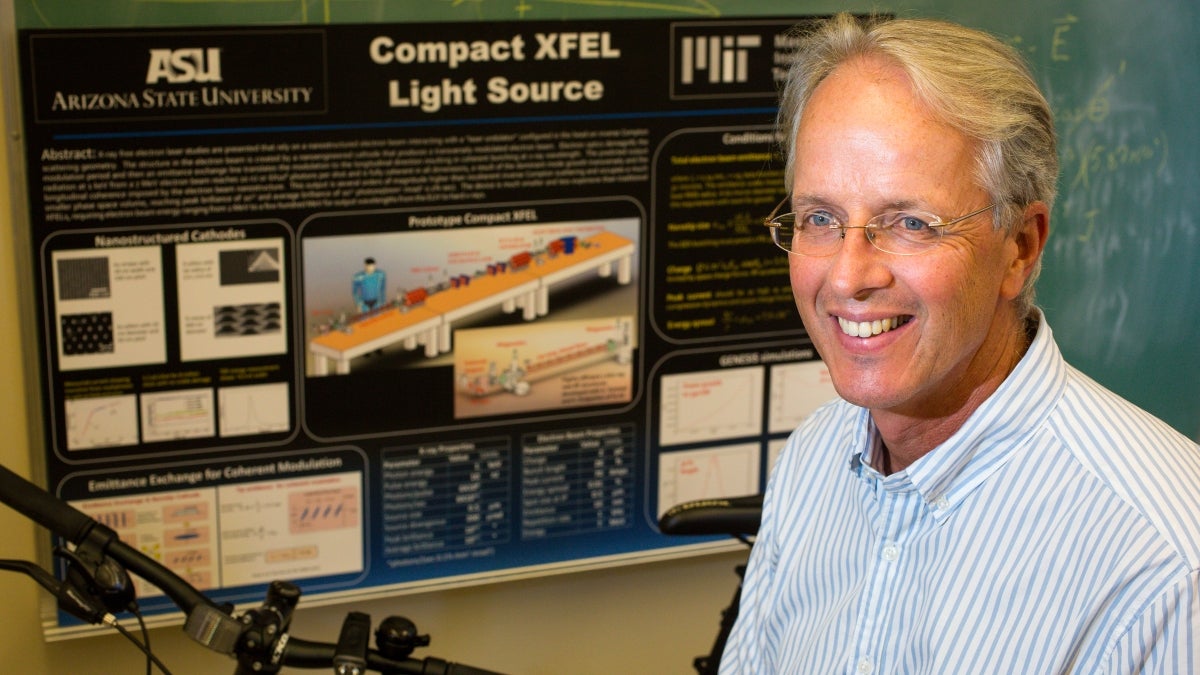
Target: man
368 287
971 503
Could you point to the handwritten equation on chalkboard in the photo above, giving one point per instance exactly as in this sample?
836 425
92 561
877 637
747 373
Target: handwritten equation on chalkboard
1112 224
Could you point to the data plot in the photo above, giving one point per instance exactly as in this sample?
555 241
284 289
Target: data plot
186 413
254 409
314 510
797 389
711 405
711 473
101 422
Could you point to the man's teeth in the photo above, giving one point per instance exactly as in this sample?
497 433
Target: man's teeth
869 328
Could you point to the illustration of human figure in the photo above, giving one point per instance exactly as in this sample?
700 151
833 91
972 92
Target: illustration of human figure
369 286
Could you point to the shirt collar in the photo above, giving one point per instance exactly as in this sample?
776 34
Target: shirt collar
988 438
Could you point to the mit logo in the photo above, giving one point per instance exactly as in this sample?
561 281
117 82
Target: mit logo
725 58
734 59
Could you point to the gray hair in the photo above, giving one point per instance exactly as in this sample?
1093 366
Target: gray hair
968 79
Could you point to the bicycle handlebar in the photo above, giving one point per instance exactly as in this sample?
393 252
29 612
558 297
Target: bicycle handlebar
211 625
77 527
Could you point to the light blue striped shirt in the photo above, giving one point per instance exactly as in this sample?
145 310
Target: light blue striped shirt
1058 531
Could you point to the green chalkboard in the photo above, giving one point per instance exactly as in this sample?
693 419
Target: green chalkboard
1122 276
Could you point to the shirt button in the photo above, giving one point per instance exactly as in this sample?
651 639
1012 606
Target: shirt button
865 666
891 552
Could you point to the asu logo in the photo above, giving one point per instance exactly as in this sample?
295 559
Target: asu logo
177 66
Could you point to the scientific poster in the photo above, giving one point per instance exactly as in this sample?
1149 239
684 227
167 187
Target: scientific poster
386 306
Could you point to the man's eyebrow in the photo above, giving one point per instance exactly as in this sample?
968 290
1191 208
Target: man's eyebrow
810 200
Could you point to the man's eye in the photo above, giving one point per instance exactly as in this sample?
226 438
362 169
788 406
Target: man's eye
908 222
818 219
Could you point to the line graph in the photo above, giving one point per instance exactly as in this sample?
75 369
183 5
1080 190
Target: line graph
185 413
711 473
797 389
711 405
253 409
101 422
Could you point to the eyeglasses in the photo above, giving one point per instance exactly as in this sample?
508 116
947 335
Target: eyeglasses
817 233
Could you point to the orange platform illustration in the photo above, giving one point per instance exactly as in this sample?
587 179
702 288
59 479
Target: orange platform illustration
426 317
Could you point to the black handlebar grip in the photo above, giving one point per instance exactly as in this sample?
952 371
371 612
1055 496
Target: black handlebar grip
42 508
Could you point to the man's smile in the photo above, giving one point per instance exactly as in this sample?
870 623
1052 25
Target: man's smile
870 328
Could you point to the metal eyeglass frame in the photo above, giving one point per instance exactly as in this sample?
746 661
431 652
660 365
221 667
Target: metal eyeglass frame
937 222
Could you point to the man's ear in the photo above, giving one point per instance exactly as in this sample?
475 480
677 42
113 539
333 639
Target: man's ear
1029 236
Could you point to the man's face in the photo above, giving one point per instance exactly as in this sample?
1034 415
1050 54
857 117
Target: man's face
915 335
